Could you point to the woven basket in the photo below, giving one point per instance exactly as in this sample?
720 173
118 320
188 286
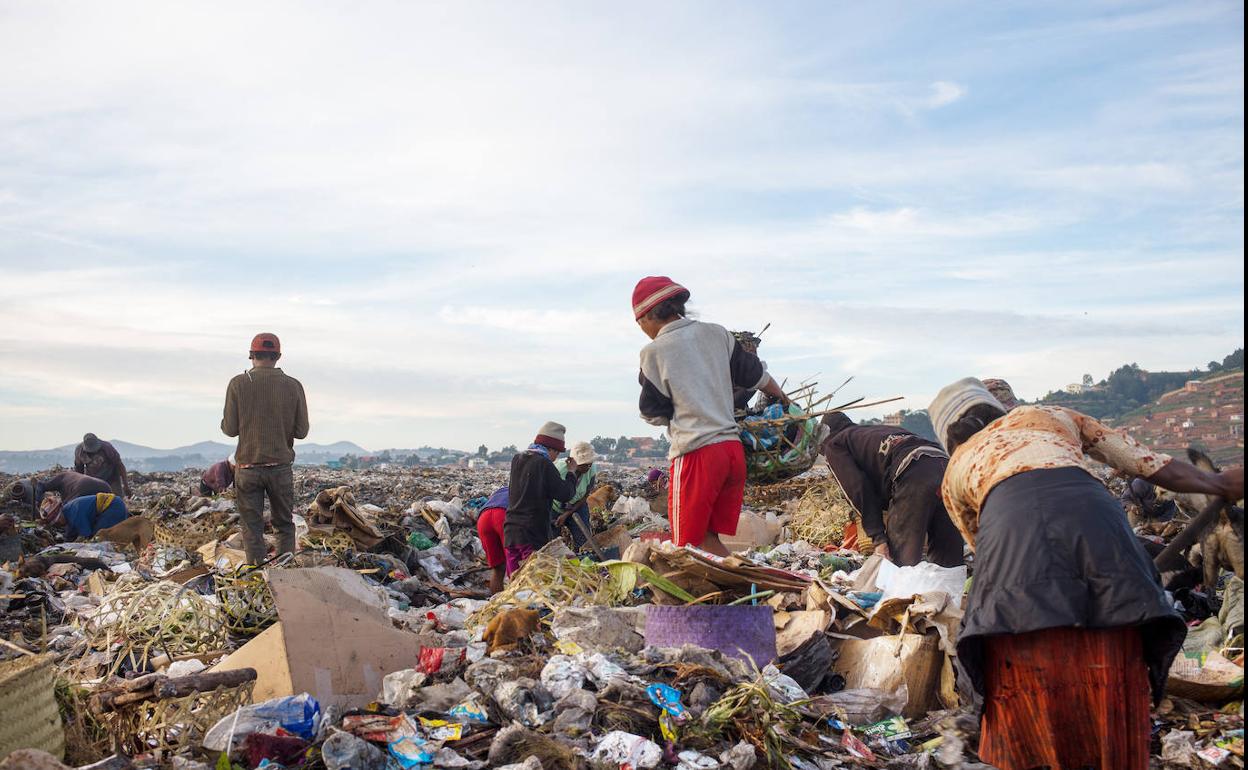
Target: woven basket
186 532
30 718
174 724
789 455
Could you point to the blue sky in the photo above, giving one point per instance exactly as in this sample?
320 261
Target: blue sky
442 208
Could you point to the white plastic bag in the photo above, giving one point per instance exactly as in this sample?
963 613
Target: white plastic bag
620 749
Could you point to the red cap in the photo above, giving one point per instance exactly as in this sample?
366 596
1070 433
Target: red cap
266 343
653 290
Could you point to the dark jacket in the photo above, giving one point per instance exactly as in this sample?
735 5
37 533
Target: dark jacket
866 460
106 465
534 487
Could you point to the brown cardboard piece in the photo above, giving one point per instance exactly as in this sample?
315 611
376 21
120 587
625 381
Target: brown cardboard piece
887 662
793 629
334 640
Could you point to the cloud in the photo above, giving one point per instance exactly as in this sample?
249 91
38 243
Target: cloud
442 209
943 94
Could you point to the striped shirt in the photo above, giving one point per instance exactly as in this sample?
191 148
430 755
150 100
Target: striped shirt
267 411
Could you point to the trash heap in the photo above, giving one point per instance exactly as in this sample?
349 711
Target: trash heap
377 646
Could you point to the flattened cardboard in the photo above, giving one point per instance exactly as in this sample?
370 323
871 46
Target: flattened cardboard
334 639
887 662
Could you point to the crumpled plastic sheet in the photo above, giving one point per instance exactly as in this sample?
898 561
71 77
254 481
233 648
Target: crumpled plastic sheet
620 748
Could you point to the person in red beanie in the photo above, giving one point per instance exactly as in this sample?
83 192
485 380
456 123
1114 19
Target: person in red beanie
535 486
267 411
687 377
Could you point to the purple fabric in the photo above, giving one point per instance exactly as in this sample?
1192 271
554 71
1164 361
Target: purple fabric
516 554
497 500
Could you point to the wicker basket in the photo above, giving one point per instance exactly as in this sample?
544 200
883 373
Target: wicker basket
174 724
188 532
30 719
779 449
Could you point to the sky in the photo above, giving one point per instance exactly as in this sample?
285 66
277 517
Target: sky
442 208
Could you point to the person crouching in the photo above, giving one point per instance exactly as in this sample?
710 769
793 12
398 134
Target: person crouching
535 486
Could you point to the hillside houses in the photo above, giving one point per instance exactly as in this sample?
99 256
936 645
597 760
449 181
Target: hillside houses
1206 413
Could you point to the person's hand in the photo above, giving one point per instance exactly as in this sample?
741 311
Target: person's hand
882 550
1233 479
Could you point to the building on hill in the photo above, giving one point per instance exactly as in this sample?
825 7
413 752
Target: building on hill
894 420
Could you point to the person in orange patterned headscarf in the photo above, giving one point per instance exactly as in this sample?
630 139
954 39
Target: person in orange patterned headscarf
1067 625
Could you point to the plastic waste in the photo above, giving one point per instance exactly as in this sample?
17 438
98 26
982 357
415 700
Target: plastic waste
922 578
408 752
185 667
561 675
667 698
468 712
343 751
692 760
299 715
420 541
782 686
398 687
867 705
742 756
575 714
520 700
625 749
631 506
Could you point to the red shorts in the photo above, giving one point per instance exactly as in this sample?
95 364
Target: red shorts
490 530
706 492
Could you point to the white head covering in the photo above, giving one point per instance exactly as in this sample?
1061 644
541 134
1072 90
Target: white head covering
583 453
952 403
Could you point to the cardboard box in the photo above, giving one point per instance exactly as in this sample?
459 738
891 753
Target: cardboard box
334 640
887 662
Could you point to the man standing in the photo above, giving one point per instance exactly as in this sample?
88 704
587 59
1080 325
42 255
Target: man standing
101 460
267 411
882 467
580 467
534 488
687 378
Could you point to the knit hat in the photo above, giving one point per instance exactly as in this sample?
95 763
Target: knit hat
551 436
91 443
653 290
952 403
654 475
1001 390
583 453
836 422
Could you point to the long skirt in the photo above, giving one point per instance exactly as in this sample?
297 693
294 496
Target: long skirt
1066 698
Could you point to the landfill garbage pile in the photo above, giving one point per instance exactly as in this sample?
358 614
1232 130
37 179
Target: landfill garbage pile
377 645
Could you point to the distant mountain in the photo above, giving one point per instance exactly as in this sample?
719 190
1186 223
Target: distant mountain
142 458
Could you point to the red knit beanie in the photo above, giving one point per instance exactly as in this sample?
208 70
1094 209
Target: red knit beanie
653 290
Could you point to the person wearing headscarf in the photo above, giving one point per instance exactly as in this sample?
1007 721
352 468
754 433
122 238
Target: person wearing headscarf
535 486
84 516
1067 628
688 372
881 467
1001 390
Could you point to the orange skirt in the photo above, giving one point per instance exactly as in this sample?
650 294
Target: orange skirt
1066 698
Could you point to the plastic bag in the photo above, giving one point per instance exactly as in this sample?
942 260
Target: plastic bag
561 675
299 715
625 749
398 687
343 751
922 578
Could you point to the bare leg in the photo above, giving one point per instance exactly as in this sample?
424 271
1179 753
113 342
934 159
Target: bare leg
712 544
496 578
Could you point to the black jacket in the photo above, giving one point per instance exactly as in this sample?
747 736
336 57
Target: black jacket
865 460
535 486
